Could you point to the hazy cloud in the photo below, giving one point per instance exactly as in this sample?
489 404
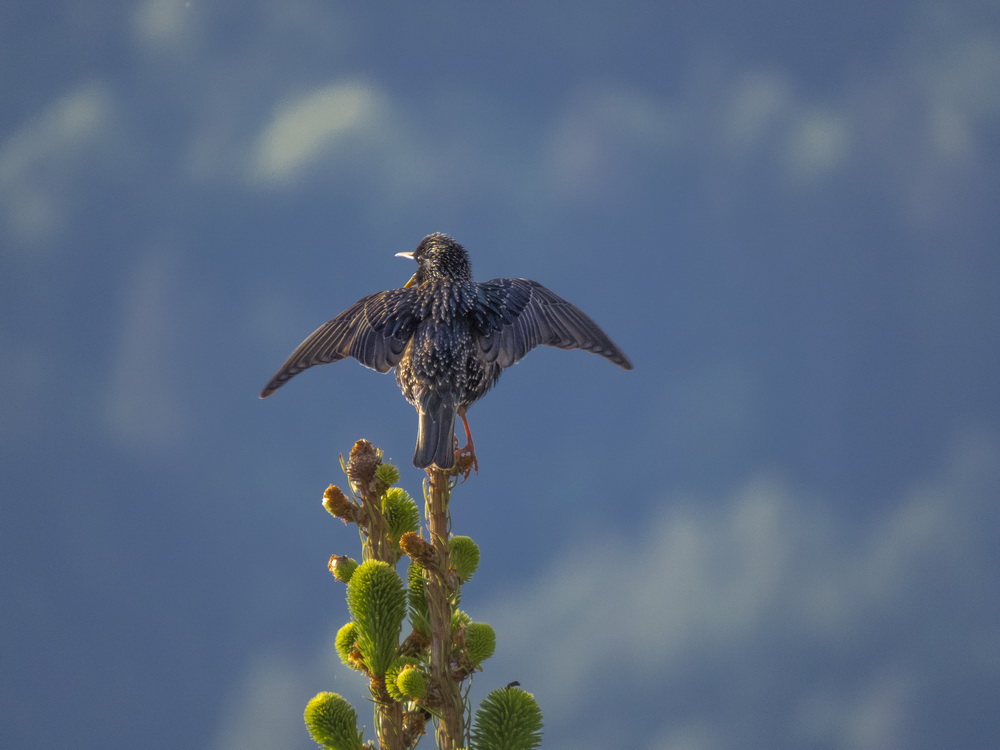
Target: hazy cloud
727 589
599 128
819 141
163 23
913 125
308 128
264 709
40 158
793 614
757 101
144 406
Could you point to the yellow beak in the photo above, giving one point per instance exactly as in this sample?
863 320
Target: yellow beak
413 278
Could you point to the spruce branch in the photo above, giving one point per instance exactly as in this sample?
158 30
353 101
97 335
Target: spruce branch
424 676
440 598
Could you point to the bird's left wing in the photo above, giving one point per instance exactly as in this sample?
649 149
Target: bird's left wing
516 315
374 330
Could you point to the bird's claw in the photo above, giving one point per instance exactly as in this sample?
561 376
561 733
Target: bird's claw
465 462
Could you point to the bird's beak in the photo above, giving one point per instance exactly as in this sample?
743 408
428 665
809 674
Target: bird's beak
413 278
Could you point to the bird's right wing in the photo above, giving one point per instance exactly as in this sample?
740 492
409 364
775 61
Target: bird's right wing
374 330
516 315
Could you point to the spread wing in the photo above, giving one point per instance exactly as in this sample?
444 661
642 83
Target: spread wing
516 315
374 330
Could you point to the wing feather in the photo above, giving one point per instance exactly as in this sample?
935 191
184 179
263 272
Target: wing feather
516 315
374 330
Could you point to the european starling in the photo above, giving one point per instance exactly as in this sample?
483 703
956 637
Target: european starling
448 338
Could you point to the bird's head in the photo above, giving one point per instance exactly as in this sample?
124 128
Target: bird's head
438 256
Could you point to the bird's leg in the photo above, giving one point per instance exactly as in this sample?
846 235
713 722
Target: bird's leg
469 451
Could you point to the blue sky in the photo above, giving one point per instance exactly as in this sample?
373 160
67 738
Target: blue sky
778 531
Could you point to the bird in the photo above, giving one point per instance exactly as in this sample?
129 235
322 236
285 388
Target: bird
448 337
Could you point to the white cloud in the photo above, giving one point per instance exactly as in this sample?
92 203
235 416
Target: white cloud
762 119
942 106
353 135
709 589
759 98
809 630
38 160
878 714
308 128
163 22
819 142
272 697
697 736
265 708
961 73
910 126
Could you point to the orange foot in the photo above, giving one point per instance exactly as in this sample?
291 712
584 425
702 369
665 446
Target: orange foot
465 458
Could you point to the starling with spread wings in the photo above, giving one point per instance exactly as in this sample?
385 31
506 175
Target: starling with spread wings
448 337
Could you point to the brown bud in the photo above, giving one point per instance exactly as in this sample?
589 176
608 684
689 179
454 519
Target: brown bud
415 644
414 726
339 505
358 661
361 465
419 550
342 567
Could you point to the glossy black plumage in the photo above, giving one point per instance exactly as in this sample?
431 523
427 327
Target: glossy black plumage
448 337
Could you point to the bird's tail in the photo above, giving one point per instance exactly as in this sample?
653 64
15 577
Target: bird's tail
435 433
